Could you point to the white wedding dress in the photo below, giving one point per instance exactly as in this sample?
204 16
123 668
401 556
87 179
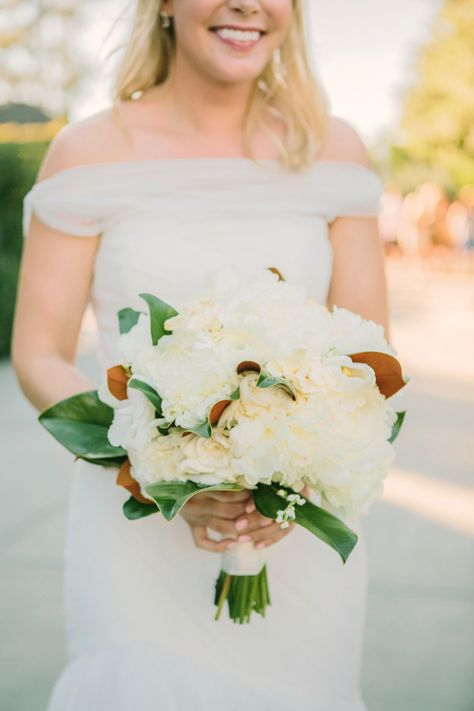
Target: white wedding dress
138 594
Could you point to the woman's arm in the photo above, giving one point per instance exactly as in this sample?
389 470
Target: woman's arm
358 281
55 277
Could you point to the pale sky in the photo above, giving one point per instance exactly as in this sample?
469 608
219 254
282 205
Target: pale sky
363 51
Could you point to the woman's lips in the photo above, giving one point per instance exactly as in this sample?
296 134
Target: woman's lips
237 44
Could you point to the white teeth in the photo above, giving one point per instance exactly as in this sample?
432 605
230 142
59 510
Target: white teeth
243 35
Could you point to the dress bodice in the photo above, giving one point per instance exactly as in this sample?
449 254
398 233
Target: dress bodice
166 224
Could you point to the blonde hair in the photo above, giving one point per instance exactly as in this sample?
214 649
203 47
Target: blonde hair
297 98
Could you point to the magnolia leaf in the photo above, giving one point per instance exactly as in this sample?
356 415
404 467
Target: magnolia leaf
164 428
387 369
112 462
397 425
80 423
159 313
216 411
127 319
170 496
134 509
204 429
149 392
322 524
236 394
126 480
268 381
117 379
248 365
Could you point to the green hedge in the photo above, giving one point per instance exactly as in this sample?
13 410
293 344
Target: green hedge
19 164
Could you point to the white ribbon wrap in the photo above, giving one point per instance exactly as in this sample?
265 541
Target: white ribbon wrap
243 559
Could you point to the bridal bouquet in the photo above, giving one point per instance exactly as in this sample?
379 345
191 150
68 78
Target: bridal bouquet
253 386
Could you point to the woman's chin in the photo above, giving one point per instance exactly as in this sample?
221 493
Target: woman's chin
237 78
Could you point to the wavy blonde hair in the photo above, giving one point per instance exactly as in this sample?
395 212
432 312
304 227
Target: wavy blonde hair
298 98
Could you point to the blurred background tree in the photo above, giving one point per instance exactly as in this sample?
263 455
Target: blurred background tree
437 125
40 62
41 66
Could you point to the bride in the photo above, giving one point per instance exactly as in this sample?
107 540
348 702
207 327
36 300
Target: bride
218 150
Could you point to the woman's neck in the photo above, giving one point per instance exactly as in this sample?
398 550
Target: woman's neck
199 105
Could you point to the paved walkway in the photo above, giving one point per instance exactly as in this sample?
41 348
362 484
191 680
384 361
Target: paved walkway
419 652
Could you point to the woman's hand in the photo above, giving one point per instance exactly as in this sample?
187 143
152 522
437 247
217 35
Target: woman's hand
232 514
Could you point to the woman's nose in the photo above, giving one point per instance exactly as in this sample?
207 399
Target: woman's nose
246 7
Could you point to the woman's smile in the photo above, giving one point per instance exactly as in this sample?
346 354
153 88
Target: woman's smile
242 40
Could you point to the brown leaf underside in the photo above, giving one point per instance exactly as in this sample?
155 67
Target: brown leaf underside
248 365
117 380
388 371
217 410
125 479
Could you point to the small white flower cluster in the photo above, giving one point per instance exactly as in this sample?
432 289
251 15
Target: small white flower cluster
288 514
328 430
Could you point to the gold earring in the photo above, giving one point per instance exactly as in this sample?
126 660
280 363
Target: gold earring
165 19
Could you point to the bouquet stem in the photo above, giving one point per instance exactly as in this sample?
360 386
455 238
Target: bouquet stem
244 594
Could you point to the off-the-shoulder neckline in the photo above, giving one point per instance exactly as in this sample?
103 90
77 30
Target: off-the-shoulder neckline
212 160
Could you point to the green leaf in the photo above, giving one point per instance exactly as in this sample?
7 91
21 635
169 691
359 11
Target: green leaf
149 392
127 319
134 509
236 394
268 381
170 496
322 524
115 462
397 425
80 423
204 429
159 313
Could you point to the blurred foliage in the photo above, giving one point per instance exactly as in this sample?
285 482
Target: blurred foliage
12 132
437 120
19 164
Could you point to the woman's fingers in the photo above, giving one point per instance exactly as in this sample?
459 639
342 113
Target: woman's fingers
230 511
230 496
270 534
221 525
203 506
202 540
252 522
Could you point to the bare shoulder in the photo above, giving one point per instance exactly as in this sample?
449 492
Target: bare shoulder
343 143
95 139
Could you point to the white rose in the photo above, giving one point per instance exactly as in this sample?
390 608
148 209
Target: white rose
157 460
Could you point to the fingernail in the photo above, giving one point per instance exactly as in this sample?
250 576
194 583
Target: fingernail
241 524
267 522
232 544
260 545
250 508
244 539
